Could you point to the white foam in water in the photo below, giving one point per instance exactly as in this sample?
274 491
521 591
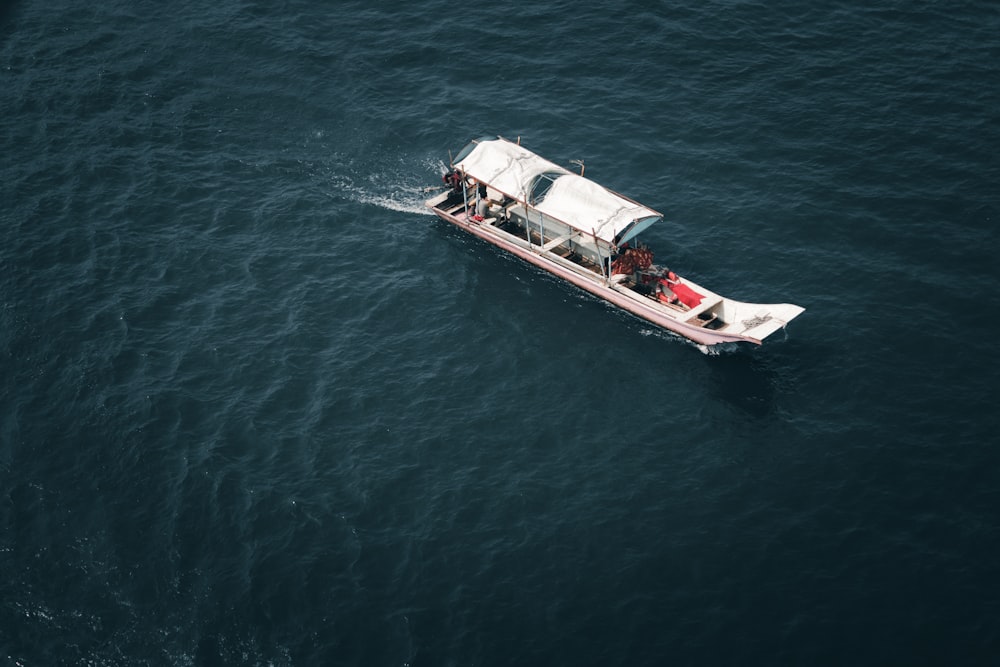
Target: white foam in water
404 201
396 191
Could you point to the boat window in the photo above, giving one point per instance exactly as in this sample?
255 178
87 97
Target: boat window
469 147
635 228
541 186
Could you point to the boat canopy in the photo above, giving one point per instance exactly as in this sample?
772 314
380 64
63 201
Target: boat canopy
583 204
506 167
571 199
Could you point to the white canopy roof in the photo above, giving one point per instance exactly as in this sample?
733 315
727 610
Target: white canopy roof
506 167
574 200
582 203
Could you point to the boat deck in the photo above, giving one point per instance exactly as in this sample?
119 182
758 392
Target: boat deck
514 226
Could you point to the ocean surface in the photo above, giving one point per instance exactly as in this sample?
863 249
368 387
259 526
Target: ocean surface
257 407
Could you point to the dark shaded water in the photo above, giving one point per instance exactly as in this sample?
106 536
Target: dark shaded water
259 408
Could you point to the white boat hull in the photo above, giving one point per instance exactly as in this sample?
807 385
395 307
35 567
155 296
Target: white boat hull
744 322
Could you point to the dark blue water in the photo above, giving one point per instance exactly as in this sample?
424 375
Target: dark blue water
258 408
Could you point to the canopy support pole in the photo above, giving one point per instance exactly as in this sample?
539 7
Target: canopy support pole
465 195
600 257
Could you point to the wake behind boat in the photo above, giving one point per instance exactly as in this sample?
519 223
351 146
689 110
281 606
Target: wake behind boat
587 235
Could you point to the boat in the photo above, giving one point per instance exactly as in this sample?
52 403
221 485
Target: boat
587 235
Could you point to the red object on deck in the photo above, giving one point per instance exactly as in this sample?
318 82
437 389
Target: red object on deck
685 294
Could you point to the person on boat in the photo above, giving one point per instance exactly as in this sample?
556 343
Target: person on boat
453 179
663 285
681 292
483 208
481 211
